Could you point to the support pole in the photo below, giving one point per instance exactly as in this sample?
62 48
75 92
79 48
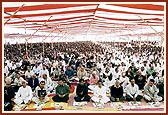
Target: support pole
52 45
43 48
40 27
14 14
160 33
25 35
26 48
46 38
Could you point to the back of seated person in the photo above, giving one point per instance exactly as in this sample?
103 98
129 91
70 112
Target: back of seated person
62 92
69 72
8 95
17 82
33 82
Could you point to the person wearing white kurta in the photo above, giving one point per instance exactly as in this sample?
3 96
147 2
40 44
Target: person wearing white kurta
93 81
151 92
6 70
124 81
36 69
157 67
106 73
13 66
29 73
132 91
48 82
138 64
55 63
109 82
24 94
122 68
99 64
99 93
81 73
40 93
146 66
18 80
9 64
143 72
155 77
44 71
116 73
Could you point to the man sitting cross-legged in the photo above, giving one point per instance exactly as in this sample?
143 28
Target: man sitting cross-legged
100 93
151 92
41 93
82 92
24 94
62 92
132 91
116 92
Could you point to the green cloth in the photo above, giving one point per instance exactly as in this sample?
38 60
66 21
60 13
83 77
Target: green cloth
150 71
62 90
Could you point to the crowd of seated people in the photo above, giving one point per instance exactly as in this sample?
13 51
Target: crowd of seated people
135 72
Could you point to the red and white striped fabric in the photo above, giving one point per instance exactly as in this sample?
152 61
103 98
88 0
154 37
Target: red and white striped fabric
115 19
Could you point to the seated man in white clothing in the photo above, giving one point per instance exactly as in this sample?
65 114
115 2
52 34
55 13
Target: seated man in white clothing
44 71
99 93
48 82
81 73
17 82
40 93
24 94
36 69
124 80
28 73
155 77
132 91
93 81
106 73
151 92
109 82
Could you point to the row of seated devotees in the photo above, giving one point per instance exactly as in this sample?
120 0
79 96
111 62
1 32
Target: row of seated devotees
62 91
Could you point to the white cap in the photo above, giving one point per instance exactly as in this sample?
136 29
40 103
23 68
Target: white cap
8 80
94 72
24 81
41 79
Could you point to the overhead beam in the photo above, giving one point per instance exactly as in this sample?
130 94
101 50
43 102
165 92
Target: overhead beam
11 16
152 28
92 19
49 34
39 28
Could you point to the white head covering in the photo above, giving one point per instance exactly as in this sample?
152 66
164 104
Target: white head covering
8 80
41 79
94 72
24 81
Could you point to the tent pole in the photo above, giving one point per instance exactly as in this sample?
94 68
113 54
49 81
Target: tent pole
25 35
43 44
162 37
14 13
20 47
52 45
140 41
43 48
26 48
40 27
45 39
50 33
139 44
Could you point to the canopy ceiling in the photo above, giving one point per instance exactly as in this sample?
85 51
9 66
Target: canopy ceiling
71 20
